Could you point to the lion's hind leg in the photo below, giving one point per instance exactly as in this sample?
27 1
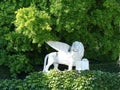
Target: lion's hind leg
50 62
55 66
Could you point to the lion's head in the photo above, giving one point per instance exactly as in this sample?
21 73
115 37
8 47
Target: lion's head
77 46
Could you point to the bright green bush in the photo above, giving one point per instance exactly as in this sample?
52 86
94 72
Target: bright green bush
86 80
61 80
65 80
33 23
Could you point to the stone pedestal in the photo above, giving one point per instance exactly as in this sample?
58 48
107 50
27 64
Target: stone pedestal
82 65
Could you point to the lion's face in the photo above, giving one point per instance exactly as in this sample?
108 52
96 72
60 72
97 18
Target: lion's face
76 46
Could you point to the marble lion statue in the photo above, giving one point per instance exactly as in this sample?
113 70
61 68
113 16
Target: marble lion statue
66 54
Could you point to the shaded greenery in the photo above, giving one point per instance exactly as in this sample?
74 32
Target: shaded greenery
106 67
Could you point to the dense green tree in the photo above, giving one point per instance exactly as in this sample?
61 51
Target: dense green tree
26 25
11 49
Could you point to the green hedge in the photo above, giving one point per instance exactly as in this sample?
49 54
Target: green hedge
65 80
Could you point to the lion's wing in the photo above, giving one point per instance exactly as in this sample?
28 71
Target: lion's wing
59 46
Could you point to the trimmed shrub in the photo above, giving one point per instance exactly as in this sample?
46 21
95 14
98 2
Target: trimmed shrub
10 84
65 80
97 80
36 81
62 80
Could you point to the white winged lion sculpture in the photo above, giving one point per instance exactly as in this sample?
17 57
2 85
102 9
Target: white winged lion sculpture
67 55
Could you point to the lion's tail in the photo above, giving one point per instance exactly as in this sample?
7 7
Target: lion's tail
45 60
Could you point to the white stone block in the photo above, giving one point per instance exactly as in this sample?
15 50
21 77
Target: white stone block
82 65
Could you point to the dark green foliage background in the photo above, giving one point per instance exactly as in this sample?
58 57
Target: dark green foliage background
27 24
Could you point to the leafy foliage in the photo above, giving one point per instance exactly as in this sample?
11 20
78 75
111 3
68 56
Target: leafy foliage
18 63
10 45
18 42
27 24
66 80
95 20
34 24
